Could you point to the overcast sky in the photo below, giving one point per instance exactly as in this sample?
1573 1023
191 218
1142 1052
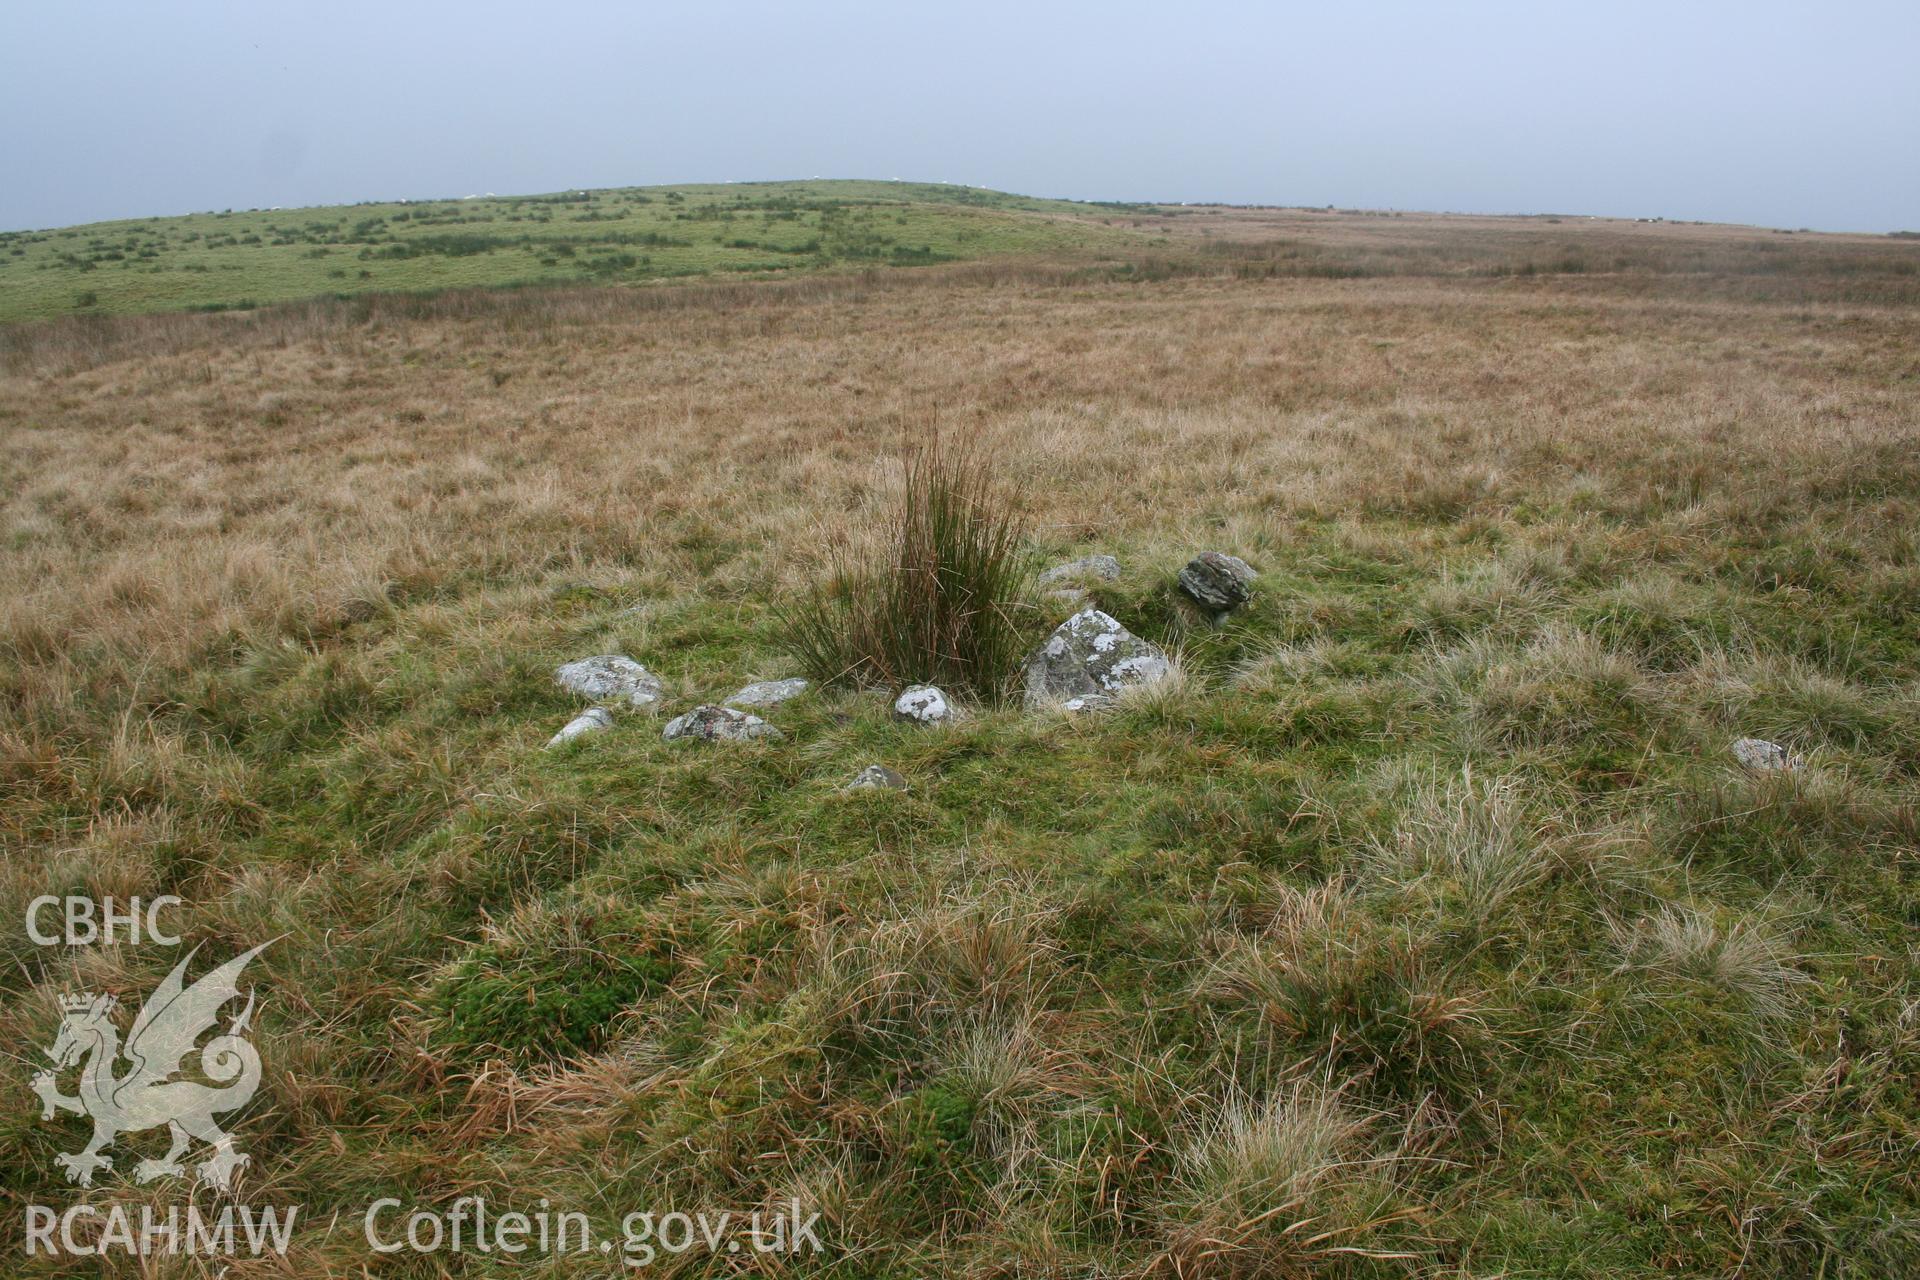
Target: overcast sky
1778 114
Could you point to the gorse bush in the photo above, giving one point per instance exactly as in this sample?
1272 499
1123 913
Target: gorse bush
934 597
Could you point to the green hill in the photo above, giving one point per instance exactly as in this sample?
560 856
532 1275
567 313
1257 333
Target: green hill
237 259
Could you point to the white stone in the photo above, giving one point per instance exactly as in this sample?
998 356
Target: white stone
768 693
1764 756
876 777
612 677
925 704
592 720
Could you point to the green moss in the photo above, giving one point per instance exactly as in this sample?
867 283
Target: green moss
937 1128
552 989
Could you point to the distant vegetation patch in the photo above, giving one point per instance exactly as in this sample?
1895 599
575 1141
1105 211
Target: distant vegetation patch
208 261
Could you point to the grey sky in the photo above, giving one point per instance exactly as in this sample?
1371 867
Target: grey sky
1772 113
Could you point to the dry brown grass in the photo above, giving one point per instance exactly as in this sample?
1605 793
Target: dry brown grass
192 480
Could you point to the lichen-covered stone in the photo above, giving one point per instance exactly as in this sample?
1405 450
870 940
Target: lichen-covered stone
1085 569
1087 702
768 693
592 720
710 723
612 677
1087 660
1217 580
876 777
925 704
1764 756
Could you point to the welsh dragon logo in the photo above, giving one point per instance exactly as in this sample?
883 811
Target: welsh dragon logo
151 1092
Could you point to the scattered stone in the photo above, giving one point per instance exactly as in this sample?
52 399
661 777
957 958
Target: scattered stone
1099 568
1764 756
1091 702
612 677
768 693
1217 580
1087 660
710 723
876 777
924 704
592 720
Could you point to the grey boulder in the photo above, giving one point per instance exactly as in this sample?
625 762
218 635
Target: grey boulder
1763 756
876 777
592 720
1217 580
710 723
925 704
612 677
1089 659
768 693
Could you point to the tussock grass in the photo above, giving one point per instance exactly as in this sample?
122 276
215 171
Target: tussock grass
1476 840
937 596
1748 960
1562 688
1285 1186
1391 1003
1504 597
1299 665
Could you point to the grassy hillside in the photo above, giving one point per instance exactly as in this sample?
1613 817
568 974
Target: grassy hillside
1425 926
242 259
